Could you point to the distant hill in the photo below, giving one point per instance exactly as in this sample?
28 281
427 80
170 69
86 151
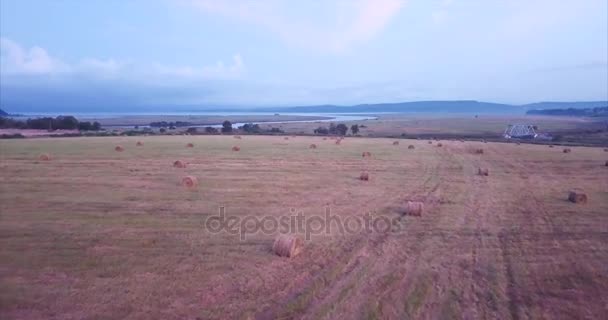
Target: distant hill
3 113
572 112
565 105
464 106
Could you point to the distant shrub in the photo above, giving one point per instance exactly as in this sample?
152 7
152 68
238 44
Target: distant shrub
12 136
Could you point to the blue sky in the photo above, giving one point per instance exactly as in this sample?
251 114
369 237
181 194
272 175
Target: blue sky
108 54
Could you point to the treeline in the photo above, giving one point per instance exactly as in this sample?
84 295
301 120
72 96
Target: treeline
227 128
48 123
572 112
340 129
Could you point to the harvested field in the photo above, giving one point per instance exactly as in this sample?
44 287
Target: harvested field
96 233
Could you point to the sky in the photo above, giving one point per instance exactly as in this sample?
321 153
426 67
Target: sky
113 54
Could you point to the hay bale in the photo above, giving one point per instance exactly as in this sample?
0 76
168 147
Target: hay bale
478 151
324 138
414 208
190 145
483 172
236 148
411 146
577 197
286 138
430 142
44 157
518 143
286 245
366 154
550 146
606 163
119 149
484 141
179 164
395 143
312 146
605 149
237 137
338 141
190 182
567 150
364 176
440 145
139 143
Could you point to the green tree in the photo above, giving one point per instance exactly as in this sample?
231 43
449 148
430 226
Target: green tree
226 126
354 128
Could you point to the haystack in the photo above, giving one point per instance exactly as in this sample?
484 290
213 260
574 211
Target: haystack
395 143
364 176
606 163
139 143
190 145
324 138
119 149
483 172
237 137
605 149
567 150
286 245
479 151
414 208
179 164
44 157
550 146
366 154
286 138
312 146
236 148
577 197
440 144
338 141
189 182
411 146
430 142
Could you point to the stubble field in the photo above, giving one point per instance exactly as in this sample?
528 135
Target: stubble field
99 234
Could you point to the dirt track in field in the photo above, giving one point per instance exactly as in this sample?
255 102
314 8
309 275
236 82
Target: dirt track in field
113 235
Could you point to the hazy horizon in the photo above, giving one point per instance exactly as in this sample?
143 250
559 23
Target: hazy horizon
142 55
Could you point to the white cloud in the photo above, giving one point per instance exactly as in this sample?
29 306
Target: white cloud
15 59
217 71
346 23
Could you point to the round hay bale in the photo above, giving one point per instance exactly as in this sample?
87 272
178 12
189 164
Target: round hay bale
338 141
606 163
364 176
484 141
324 138
286 138
44 157
430 142
190 145
139 143
518 143
395 143
366 154
237 137
179 164
605 149
286 245
479 151
440 145
414 208
577 197
567 150
119 149
550 146
190 182
483 172
411 146
312 146
236 148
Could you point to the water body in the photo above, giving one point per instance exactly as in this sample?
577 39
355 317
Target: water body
329 117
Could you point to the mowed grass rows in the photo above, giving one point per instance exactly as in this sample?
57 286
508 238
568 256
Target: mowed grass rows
99 233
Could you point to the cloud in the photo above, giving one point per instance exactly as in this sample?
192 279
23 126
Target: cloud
217 71
36 61
16 59
440 16
346 24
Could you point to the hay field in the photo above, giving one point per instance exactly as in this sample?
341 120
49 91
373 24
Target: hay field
99 234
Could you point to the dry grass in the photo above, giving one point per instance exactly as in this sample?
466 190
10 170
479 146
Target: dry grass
132 244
